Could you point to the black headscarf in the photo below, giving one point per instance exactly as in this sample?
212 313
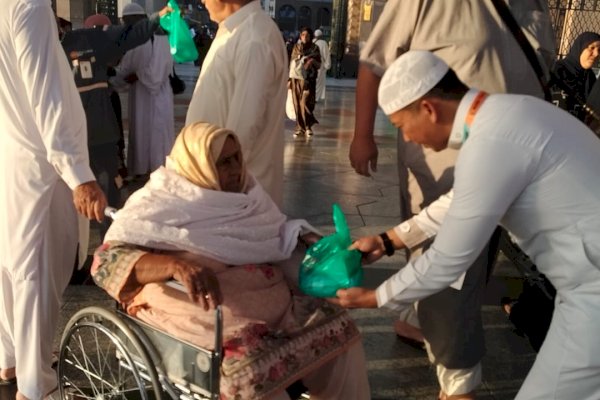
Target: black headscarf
569 71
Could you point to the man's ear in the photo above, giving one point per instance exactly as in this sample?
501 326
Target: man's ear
431 108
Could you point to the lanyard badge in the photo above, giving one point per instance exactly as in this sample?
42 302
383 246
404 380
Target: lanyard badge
475 106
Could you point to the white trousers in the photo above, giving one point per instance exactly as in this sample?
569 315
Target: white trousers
30 304
342 378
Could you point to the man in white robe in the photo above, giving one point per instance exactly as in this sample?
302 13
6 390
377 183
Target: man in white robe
325 64
242 87
151 121
45 170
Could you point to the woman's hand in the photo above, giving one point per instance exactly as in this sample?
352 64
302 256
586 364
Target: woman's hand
310 238
201 283
371 246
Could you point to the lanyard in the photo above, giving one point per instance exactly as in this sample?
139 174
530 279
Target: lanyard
475 106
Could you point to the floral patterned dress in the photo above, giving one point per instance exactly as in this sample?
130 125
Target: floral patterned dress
273 334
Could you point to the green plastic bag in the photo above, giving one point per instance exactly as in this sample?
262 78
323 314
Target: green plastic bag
183 48
328 264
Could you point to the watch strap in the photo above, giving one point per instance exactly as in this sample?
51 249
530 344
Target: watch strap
387 244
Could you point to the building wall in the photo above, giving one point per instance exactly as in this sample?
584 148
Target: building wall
291 15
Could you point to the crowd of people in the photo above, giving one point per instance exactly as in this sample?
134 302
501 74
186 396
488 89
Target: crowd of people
209 214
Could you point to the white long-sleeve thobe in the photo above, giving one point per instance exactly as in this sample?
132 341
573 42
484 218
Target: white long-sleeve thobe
533 168
242 87
151 121
43 145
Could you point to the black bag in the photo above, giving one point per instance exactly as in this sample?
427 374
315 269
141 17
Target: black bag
177 84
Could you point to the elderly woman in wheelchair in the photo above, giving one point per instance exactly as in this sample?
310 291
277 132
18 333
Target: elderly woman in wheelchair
205 222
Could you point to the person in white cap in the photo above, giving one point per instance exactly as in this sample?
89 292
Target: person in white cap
489 59
525 164
325 64
145 71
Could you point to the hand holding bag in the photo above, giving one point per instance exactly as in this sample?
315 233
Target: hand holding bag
329 265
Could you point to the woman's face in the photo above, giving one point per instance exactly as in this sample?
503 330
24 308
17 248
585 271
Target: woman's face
589 55
305 37
229 167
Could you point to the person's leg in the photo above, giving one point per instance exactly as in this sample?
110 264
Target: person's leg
297 87
343 378
407 327
458 384
7 350
568 364
38 298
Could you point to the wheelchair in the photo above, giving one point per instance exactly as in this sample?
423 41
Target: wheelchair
109 355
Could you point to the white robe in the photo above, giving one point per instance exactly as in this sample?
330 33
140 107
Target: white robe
538 178
151 121
44 146
325 65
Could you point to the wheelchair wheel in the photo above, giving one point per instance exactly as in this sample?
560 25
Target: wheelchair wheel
101 358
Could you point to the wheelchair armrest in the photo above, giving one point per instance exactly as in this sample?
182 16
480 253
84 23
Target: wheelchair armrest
176 285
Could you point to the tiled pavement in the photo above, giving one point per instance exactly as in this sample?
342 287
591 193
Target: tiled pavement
317 174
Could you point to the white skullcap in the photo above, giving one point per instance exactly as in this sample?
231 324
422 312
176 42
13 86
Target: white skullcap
408 78
318 33
133 9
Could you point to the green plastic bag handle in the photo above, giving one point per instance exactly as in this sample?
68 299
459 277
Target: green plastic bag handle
341 226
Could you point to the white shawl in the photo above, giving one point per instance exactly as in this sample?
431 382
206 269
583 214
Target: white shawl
171 213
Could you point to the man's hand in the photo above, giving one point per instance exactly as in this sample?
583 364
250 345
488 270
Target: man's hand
371 246
89 200
356 297
201 283
363 154
165 10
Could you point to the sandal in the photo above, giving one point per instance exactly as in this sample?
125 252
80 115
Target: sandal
7 382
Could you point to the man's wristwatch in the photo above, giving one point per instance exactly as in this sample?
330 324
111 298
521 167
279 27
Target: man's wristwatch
387 244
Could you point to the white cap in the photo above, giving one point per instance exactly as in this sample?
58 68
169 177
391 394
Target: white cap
408 78
318 33
133 9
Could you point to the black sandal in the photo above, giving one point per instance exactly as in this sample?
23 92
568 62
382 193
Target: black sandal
7 382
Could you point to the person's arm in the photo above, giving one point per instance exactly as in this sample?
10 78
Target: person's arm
123 269
125 38
482 194
363 150
408 234
56 106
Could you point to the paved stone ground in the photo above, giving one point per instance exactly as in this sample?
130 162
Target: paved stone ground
317 174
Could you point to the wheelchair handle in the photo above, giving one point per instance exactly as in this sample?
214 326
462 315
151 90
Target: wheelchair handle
110 212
